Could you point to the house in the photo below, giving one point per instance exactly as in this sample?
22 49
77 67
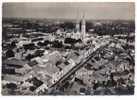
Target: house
13 66
14 63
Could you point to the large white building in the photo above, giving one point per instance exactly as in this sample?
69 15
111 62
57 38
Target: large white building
77 26
80 30
83 27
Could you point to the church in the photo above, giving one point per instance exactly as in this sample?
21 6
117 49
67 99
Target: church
80 29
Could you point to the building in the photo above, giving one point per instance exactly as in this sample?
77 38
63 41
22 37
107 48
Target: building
13 66
77 27
80 34
83 27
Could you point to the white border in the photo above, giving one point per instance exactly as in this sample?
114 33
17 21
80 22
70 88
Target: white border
68 0
65 97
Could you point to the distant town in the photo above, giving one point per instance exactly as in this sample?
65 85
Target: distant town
67 57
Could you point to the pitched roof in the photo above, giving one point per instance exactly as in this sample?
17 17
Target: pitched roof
15 61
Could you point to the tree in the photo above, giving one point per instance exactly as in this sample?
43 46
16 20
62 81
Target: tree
30 46
57 44
67 25
13 44
10 53
29 57
70 41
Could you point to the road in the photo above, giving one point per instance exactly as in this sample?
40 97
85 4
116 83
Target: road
78 66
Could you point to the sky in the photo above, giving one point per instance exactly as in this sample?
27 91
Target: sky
69 10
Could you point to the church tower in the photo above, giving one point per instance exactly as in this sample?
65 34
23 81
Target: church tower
77 27
83 27
77 23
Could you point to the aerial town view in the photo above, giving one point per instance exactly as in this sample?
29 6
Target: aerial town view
68 48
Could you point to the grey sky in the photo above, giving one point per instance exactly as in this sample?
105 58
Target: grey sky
92 10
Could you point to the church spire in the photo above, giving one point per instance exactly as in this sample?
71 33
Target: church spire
83 26
77 22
